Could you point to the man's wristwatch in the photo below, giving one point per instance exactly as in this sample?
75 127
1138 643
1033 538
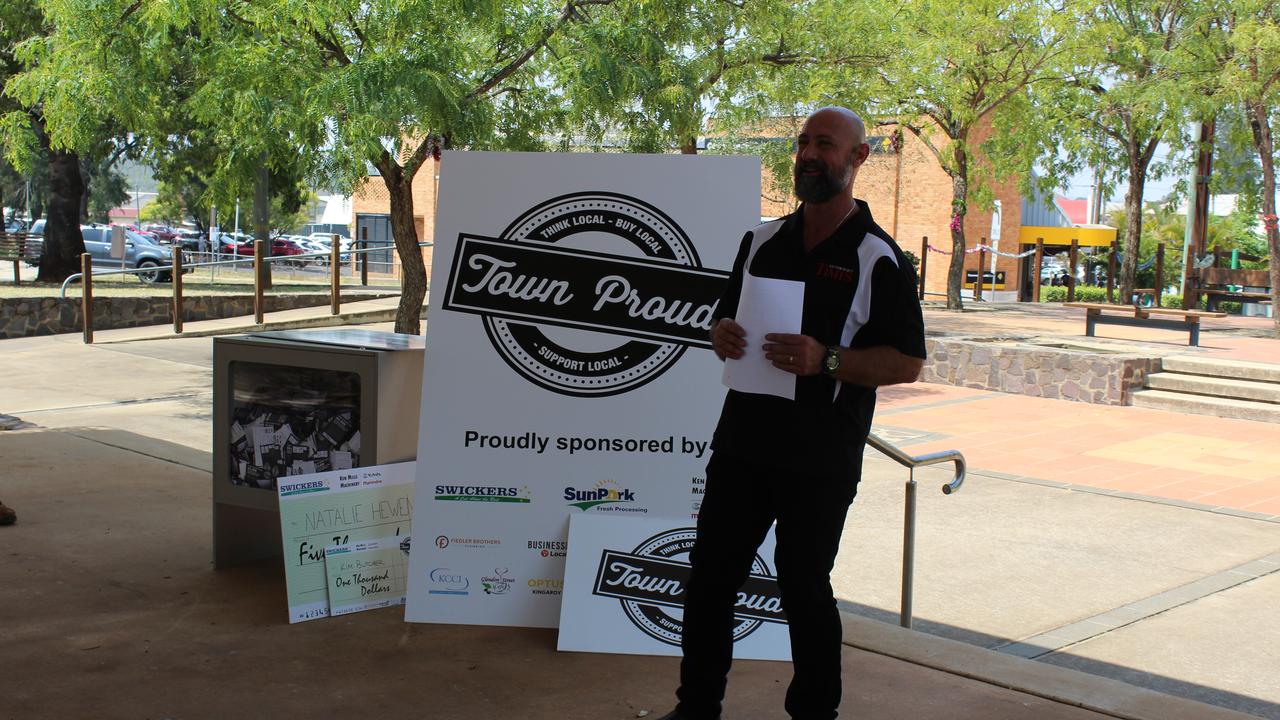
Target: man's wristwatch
831 361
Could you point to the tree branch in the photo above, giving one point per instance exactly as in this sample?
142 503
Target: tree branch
569 13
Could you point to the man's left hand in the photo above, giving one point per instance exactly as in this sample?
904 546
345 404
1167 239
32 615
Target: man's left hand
796 354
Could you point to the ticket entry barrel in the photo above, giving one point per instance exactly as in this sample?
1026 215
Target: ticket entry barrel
297 402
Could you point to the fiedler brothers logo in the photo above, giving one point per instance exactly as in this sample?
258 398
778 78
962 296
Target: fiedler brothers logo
559 266
650 583
444 541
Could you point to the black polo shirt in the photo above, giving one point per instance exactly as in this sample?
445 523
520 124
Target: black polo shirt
860 292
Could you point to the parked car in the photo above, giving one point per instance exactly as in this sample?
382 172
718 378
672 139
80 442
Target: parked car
282 246
140 252
163 233
325 242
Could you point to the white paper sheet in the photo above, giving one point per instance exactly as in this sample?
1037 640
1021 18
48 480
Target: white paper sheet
767 305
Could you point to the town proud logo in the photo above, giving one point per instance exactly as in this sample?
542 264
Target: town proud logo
649 582
589 294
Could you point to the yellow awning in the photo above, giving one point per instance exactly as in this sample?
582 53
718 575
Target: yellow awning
1087 235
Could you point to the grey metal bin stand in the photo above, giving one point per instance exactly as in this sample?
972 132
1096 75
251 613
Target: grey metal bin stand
294 402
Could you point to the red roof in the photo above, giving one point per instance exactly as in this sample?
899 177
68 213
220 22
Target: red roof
1077 209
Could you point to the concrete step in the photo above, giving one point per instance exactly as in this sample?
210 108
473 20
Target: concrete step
1240 370
1215 386
1204 405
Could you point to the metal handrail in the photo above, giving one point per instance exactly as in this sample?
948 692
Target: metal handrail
234 261
914 461
911 462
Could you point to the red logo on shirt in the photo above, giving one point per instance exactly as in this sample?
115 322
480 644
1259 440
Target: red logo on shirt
835 272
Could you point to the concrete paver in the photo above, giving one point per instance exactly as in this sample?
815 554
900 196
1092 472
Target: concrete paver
1020 553
123 618
1216 462
1000 561
1243 656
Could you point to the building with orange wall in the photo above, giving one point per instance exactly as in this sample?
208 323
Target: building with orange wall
904 185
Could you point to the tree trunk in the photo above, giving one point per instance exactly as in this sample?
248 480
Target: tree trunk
959 208
1264 143
689 147
1132 226
63 242
413 271
86 177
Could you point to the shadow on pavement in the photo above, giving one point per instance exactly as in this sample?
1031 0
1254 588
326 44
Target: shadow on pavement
1159 683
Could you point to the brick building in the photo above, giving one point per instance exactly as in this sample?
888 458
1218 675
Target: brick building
371 214
907 190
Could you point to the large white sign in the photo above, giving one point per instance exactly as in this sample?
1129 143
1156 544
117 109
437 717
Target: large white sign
624 591
568 368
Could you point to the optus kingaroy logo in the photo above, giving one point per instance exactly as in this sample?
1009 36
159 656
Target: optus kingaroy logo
484 493
612 265
605 492
650 581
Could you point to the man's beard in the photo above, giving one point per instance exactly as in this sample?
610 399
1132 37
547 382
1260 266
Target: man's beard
823 186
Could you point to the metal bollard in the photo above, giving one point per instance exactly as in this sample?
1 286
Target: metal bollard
86 297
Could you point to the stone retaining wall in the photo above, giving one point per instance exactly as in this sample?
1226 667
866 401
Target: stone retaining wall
23 317
1021 367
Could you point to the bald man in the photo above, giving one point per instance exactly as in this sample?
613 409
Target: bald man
797 462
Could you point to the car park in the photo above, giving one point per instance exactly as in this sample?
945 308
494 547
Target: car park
141 252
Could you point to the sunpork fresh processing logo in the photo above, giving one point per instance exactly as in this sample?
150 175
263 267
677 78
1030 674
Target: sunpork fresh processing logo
549 548
444 581
499 583
649 583
605 492
612 265
483 493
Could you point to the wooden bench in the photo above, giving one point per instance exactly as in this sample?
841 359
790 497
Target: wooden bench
1103 314
1216 281
19 248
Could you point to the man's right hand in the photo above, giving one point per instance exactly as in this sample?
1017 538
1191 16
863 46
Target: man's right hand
728 339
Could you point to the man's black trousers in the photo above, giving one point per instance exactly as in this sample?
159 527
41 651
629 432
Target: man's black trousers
742 500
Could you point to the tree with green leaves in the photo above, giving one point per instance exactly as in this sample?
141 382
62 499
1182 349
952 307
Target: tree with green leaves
949 70
345 83
1250 79
649 74
25 138
1125 103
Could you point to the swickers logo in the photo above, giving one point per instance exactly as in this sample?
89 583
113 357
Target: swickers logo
483 493
605 492
606 263
499 583
447 582
650 583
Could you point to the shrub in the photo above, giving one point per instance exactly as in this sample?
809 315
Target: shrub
1084 293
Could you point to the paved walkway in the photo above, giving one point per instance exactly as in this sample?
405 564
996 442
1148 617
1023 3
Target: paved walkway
1226 465
1169 587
